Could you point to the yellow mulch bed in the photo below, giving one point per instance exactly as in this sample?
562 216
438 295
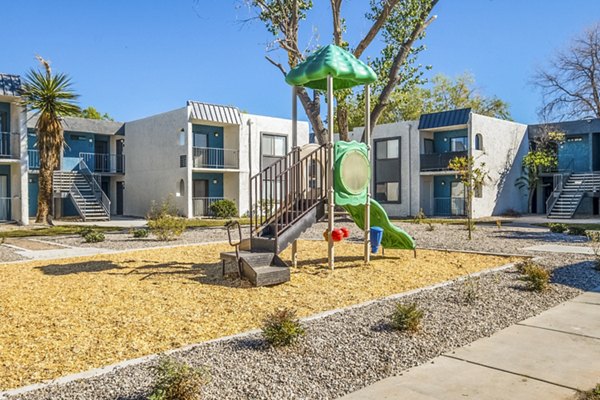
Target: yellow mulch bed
82 313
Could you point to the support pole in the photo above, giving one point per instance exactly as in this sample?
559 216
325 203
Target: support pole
367 238
330 197
294 118
295 253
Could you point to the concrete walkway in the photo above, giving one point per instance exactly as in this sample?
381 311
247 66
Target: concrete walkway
549 357
559 248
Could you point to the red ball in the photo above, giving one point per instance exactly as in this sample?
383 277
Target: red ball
337 235
345 231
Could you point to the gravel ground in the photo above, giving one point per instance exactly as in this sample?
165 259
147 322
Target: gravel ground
8 254
349 350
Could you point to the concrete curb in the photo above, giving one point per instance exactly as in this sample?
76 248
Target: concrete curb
136 361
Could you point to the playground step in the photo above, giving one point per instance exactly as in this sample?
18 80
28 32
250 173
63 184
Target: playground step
261 269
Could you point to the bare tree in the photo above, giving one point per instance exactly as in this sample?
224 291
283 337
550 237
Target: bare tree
570 85
400 22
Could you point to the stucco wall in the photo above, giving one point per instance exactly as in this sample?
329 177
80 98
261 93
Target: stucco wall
504 145
152 153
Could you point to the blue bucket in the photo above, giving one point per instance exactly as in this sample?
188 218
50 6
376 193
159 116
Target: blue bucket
376 236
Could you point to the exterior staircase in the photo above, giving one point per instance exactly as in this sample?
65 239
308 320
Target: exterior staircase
286 199
90 201
568 192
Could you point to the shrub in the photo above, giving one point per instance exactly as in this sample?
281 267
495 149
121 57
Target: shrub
224 209
420 217
94 237
576 230
535 277
178 381
470 224
167 227
164 222
83 232
282 328
557 228
406 317
594 238
140 233
593 394
469 290
430 227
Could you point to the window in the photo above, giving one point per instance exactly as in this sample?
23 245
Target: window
387 170
273 148
458 143
387 191
574 139
183 161
180 188
428 147
181 139
3 121
478 142
386 149
200 140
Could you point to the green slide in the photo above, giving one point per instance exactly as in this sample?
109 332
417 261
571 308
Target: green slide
393 237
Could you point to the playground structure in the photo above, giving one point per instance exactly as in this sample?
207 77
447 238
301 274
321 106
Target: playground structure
290 195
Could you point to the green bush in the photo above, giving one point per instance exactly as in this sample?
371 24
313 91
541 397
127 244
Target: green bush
164 222
576 230
94 237
83 232
178 381
406 317
593 394
140 233
282 328
420 217
535 277
224 209
557 228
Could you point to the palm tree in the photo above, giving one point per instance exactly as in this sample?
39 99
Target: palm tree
50 97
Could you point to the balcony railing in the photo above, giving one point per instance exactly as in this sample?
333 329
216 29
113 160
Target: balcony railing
449 206
201 206
211 157
439 161
5 206
104 163
5 145
34 159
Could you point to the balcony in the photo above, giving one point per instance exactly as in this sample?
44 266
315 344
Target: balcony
6 151
34 159
210 157
104 163
439 161
201 205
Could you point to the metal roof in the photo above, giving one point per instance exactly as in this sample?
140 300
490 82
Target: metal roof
215 113
84 125
444 118
10 85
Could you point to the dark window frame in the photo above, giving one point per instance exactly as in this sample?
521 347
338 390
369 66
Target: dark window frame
463 138
262 155
399 158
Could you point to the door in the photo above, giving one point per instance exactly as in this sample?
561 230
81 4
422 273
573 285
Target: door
120 158
120 190
457 198
200 197
101 162
201 151
4 199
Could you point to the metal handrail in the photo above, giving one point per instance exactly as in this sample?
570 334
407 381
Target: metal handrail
287 184
33 159
74 191
96 189
204 204
215 157
559 181
105 162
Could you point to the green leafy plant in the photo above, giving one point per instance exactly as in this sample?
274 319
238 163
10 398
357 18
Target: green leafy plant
594 240
178 381
498 224
164 222
557 228
406 317
420 217
94 237
140 233
85 231
535 277
224 209
469 290
282 328
576 230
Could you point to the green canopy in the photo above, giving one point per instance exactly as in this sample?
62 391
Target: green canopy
347 71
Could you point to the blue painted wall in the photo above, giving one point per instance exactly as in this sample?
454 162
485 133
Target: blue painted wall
214 190
33 194
442 190
76 142
441 140
575 154
214 134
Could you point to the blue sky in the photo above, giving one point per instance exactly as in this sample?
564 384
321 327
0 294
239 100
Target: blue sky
136 58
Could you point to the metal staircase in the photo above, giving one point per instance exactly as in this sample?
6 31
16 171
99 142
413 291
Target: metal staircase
81 186
286 198
568 192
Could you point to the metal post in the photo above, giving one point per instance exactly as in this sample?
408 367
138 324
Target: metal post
330 197
367 238
294 118
295 253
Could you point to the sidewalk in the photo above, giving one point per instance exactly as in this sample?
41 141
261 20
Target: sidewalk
549 356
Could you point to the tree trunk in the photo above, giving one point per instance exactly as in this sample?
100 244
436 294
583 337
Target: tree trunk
342 121
45 190
313 111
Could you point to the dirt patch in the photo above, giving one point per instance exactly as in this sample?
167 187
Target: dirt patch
31 244
77 314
